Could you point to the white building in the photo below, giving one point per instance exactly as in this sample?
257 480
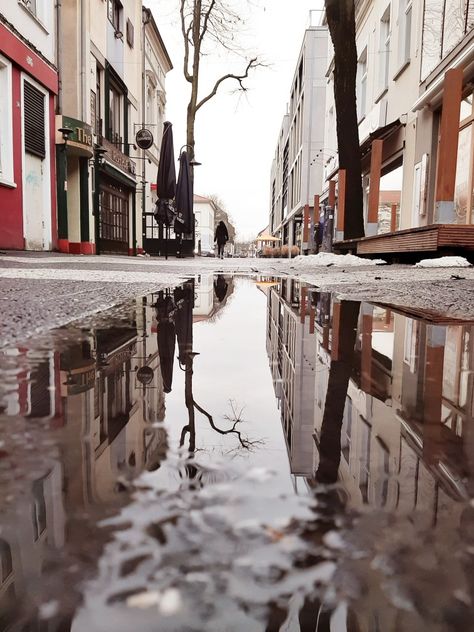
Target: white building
113 86
414 100
204 218
297 172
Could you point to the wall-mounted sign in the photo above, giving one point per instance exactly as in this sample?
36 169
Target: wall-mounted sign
82 133
144 138
115 157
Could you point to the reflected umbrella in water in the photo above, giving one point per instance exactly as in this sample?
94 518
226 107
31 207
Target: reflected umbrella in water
183 224
165 314
338 383
220 287
184 301
166 183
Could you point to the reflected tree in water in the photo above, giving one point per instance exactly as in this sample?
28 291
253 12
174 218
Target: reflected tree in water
338 383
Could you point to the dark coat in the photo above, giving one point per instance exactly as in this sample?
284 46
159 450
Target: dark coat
221 235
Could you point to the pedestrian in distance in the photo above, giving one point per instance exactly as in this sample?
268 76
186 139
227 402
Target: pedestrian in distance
221 238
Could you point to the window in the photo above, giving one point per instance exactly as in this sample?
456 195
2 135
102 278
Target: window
362 85
404 31
130 33
6 140
115 115
384 49
150 103
35 121
97 123
114 13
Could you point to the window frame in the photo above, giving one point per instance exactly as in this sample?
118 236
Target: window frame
405 18
114 14
6 124
384 52
362 75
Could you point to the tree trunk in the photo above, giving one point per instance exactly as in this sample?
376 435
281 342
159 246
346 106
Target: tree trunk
341 22
338 383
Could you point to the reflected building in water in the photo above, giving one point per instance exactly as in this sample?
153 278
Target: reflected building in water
102 394
373 398
101 397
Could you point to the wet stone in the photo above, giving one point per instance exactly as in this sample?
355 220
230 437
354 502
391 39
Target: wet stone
239 454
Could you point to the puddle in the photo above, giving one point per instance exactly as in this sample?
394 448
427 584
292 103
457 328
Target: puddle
239 454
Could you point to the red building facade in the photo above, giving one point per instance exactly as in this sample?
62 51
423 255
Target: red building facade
28 88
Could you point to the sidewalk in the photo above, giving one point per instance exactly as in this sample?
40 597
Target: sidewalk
44 290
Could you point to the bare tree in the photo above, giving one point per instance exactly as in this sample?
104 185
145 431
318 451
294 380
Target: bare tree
340 16
211 22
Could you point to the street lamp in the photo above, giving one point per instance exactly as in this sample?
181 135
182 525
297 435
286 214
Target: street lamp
193 162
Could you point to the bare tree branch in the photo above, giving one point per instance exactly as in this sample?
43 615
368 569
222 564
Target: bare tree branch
244 441
253 63
207 16
185 32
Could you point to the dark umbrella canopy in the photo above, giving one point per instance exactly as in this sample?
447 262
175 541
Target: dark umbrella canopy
184 197
166 180
165 313
184 299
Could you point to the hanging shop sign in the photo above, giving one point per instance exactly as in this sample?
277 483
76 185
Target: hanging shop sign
144 138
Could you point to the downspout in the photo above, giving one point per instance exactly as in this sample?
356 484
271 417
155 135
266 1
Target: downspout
59 57
145 21
84 32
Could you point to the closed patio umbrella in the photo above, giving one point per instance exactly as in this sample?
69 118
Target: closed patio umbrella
184 299
166 181
184 222
165 313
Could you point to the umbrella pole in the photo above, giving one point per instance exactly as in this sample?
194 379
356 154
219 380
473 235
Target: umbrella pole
166 242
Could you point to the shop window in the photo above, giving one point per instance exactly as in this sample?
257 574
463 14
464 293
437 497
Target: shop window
35 120
404 31
6 140
362 84
384 52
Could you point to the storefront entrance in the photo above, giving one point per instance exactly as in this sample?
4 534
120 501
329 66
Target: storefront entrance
114 217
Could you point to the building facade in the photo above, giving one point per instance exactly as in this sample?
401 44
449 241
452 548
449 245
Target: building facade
28 88
112 65
414 102
204 218
297 172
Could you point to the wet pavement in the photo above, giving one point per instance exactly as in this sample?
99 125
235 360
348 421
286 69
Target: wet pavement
239 454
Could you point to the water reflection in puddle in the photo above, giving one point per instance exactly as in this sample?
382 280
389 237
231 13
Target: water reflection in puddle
238 454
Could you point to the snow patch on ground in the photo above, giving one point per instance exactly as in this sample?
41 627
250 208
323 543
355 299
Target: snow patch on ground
329 259
444 262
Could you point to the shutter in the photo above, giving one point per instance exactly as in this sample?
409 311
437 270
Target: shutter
34 115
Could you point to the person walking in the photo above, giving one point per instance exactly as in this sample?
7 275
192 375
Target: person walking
221 237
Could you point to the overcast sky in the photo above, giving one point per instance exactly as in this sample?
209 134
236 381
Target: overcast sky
236 135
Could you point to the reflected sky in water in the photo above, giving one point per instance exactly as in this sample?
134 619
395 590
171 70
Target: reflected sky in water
239 454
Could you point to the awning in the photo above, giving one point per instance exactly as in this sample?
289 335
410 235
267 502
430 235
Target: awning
380 134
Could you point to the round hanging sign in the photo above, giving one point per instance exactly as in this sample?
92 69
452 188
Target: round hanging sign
144 138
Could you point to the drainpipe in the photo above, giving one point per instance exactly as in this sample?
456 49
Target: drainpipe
84 32
58 57
145 21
